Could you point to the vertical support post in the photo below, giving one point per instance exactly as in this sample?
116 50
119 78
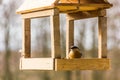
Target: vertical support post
69 35
102 37
55 35
26 40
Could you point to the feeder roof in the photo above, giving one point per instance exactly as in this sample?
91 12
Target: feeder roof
62 5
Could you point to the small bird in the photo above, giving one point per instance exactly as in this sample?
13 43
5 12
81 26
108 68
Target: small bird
74 53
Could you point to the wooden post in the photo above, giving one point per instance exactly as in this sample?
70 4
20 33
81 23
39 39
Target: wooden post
69 35
102 37
55 36
26 44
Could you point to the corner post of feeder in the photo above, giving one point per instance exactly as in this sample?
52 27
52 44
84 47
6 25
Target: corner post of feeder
55 34
69 34
102 34
26 40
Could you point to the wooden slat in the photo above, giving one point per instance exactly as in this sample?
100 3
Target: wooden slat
84 1
55 36
69 1
102 37
91 7
81 64
86 14
68 8
86 4
26 41
43 13
36 64
30 5
101 5
69 35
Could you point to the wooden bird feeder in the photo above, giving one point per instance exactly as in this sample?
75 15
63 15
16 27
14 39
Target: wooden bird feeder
74 10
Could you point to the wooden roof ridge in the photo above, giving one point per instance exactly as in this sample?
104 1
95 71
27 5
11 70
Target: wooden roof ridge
31 5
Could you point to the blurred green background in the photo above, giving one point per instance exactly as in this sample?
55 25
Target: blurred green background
86 32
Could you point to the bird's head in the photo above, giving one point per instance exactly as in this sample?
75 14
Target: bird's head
74 47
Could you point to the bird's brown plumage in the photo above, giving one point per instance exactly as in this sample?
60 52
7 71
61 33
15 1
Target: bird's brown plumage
74 53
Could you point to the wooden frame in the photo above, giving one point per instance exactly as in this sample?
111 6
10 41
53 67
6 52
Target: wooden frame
54 63
86 64
55 31
28 63
102 29
74 11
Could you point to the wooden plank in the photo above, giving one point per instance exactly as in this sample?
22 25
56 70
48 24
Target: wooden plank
91 7
36 64
101 5
84 1
82 64
43 13
26 40
102 37
69 1
85 14
30 5
55 36
69 35
68 8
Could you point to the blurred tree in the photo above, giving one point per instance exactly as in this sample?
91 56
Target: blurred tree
0 1
7 74
8 10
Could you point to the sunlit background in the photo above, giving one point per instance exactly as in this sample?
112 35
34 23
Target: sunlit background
86 32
